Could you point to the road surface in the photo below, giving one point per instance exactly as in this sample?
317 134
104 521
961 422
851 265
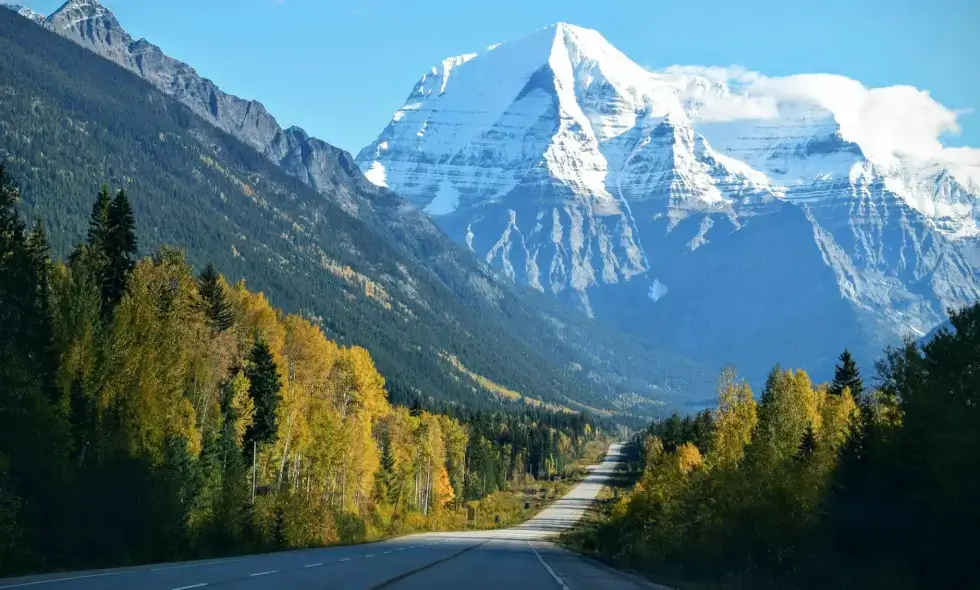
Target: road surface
510 559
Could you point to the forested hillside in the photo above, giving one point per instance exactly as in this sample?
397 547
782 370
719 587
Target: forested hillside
149 412
70 120
847 485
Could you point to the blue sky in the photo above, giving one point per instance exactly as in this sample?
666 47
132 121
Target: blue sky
339 69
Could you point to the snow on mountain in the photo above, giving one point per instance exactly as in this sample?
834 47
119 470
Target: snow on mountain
24 11
691 208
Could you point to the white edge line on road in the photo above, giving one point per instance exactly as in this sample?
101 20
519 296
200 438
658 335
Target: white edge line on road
262 573
61 580
194 586
547 567
313 565
180 567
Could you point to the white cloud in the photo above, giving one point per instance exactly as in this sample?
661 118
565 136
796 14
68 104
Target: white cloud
894 120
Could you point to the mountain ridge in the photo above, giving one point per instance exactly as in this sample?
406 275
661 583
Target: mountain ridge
572 344
584 174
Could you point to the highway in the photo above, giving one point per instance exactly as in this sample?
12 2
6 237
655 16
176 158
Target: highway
511 559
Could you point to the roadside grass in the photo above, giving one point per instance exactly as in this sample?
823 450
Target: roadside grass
514 505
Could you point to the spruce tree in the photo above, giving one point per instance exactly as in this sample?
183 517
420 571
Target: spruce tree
265 382
39 252
848 375
217 310
415 408
25 327
385 483
808 444
120 249
98 225
16 297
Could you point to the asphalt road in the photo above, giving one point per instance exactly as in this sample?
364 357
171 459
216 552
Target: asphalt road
509 559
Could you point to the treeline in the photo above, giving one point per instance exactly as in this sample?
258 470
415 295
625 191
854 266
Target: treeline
817 486
148 413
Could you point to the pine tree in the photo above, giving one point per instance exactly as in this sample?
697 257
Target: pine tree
39 252
15 291
415 409
218 311
808 444
25 334
120 249
265 381
98 225
847 375
385 482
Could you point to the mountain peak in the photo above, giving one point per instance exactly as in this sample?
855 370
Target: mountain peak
24 11
73 12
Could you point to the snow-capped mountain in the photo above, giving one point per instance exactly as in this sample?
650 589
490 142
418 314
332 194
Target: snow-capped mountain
638 377
633 193
28 13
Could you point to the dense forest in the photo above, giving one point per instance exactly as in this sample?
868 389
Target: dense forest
840 485
70 119
152 412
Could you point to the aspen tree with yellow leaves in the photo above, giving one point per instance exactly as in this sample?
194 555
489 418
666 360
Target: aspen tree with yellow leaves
163 414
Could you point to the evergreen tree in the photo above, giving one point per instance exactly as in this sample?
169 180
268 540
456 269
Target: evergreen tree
415 408
14 288
25 334
218 311
98 225
265 381
847 374
386 480
120 249
39 252
31 438
808 444
673 432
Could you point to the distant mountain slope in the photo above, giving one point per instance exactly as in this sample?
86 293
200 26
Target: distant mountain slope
69 120
574 170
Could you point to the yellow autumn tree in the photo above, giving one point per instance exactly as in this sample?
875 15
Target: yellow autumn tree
688 458
735 420
147 369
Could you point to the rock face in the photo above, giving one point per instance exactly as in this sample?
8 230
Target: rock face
572 169
25 12
634 376
324 167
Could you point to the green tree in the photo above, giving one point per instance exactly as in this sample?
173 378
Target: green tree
265 385
808 444
847 375
40 252
120 248
98 225
214 301
32 433
386 481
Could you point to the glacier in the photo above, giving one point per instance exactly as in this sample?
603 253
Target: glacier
572 169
